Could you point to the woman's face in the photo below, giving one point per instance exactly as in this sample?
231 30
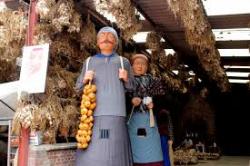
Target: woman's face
140 66
106 41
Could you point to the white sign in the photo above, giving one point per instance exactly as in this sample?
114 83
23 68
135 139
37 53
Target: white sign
34 68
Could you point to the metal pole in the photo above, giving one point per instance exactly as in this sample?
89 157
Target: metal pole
24 138
9 139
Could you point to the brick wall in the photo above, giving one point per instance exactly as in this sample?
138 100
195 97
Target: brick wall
62 157
52 155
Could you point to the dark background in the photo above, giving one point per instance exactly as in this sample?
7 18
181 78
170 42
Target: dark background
232 118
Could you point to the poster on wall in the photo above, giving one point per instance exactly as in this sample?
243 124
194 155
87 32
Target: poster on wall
34 69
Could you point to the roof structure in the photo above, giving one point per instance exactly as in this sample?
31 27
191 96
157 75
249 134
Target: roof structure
159 17
8 106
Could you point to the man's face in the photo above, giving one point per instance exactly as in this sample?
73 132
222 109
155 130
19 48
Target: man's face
106 41
140 66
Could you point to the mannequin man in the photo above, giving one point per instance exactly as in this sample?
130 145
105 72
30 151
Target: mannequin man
112 76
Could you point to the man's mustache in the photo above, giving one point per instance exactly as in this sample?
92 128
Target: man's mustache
106 41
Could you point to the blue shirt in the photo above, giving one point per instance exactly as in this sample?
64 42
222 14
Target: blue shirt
110 95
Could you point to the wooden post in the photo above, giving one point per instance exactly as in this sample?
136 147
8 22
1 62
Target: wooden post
25 133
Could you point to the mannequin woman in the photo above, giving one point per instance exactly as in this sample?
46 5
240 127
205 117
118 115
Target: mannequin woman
143 132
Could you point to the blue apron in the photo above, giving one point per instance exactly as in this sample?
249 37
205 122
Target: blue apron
146 147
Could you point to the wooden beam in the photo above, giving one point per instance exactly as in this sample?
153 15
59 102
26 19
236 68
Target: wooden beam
247 70
219 44
238 78
138 7
229 21
233 44
146 26
151 22
99 17
144 47
86 9
235 61
216 22
8 0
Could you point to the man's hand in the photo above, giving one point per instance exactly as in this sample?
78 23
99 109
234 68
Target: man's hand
136 101
89 76
123 75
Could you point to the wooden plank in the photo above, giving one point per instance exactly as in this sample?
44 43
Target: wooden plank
241 44
146 26
229 21
235 61
144 47
217 22
238 70
238 78
233 44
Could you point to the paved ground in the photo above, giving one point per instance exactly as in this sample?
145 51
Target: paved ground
228 161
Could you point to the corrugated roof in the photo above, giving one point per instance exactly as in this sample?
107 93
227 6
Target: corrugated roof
6 111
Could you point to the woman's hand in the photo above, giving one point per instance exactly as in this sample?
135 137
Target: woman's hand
150 105
136 101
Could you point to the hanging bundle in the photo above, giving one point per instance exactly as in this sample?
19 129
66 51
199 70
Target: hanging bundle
12 33
124 13
200 38
43 8
7 70
88 105
87 36
153 41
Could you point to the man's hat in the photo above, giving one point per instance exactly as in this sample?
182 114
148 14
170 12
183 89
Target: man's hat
108 29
